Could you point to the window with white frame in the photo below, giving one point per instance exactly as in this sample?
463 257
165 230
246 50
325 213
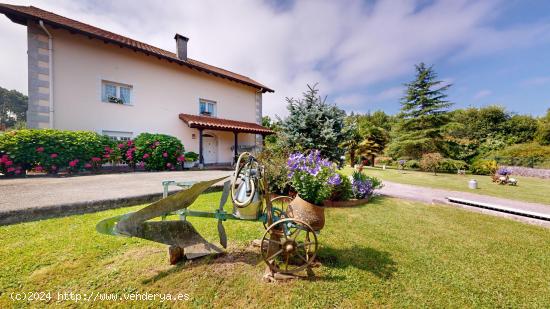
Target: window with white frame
207 107
116 93
118 135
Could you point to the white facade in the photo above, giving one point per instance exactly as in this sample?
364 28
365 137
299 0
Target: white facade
159 92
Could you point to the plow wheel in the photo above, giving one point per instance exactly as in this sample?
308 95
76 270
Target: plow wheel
289 246
279 206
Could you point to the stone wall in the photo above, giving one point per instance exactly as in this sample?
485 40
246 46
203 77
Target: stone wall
529 172
38 113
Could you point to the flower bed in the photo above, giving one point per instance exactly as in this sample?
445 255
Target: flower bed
53 151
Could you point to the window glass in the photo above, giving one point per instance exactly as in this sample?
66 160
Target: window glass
202 107
207 107
125 95
109 90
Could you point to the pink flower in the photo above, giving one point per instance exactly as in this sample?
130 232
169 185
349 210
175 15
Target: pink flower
39 168
72 163
10 169
168 165
157 143
40 149
108 149
129 157
53 168
129 143
96 159
140 164
181 158
106 156
165 154
87 165
18 171
53 155
120 145
145 156
8 163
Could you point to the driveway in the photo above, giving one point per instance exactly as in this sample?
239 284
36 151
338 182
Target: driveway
44 197
431 195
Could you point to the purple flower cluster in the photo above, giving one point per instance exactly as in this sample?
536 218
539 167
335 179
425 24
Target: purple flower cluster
312 163
361 188
503 171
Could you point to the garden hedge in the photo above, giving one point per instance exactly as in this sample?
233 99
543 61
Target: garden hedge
158 151
53 150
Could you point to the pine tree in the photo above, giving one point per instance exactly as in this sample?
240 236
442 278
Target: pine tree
314 124
424 113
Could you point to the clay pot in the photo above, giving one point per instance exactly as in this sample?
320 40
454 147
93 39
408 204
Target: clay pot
309 213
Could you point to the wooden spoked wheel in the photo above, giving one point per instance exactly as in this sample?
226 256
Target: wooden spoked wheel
289 246
279 206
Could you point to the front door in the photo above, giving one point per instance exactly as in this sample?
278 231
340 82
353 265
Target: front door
210 150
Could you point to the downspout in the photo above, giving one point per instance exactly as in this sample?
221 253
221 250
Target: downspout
50 68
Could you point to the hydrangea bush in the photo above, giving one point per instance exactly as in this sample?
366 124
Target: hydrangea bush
312 176
158 151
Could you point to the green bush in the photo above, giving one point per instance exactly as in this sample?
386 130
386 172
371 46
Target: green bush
452 166
530 154
412 164
383 160
274 160
376 182
484 167
343 191
54 150
158 151
191 156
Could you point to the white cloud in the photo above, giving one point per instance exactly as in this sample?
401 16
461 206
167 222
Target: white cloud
482 94
344 45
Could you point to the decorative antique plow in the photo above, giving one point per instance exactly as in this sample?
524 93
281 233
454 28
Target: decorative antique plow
287 246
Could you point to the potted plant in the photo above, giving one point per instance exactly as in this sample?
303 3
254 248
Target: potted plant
191 159
313 178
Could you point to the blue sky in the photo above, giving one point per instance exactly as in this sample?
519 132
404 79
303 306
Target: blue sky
360 52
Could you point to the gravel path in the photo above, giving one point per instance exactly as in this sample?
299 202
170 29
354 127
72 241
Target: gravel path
431 195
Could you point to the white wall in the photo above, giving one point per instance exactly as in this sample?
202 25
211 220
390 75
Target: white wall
161 91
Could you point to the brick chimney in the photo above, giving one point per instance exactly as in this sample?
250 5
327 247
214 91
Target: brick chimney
181 46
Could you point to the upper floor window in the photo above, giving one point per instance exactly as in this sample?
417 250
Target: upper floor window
207 107
116 93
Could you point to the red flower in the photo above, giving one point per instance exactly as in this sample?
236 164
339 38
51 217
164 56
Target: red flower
10 169
96 159
120 145
73 163
129 143
53 155
106 156
108 149
87 165
181 158
165 154
145 156
8 163
39 149
39 168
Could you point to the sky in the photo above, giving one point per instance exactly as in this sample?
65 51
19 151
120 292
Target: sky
360 53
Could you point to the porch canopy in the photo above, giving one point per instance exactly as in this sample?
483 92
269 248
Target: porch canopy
219 124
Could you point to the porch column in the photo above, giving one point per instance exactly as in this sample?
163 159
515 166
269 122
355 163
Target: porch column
201 158
236 145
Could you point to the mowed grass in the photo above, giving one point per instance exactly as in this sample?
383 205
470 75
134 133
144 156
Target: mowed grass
529 189
389 252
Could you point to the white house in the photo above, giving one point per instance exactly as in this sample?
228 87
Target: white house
84 78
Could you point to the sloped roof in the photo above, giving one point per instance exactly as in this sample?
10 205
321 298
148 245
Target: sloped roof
205 122
20 14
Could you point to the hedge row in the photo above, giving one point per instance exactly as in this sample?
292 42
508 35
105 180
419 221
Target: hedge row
72 151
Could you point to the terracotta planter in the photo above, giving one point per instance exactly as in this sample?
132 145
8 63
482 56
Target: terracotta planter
309 213
350 203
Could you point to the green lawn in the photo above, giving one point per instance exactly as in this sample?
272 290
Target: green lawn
529 189
389 252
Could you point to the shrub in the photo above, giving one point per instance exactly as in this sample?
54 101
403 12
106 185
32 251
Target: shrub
312 176
361 185
452 166
383 160
431 161
412 164
128 153
191 156
54 150
342 191
530 154
158 151
274 160
484 167
376 183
